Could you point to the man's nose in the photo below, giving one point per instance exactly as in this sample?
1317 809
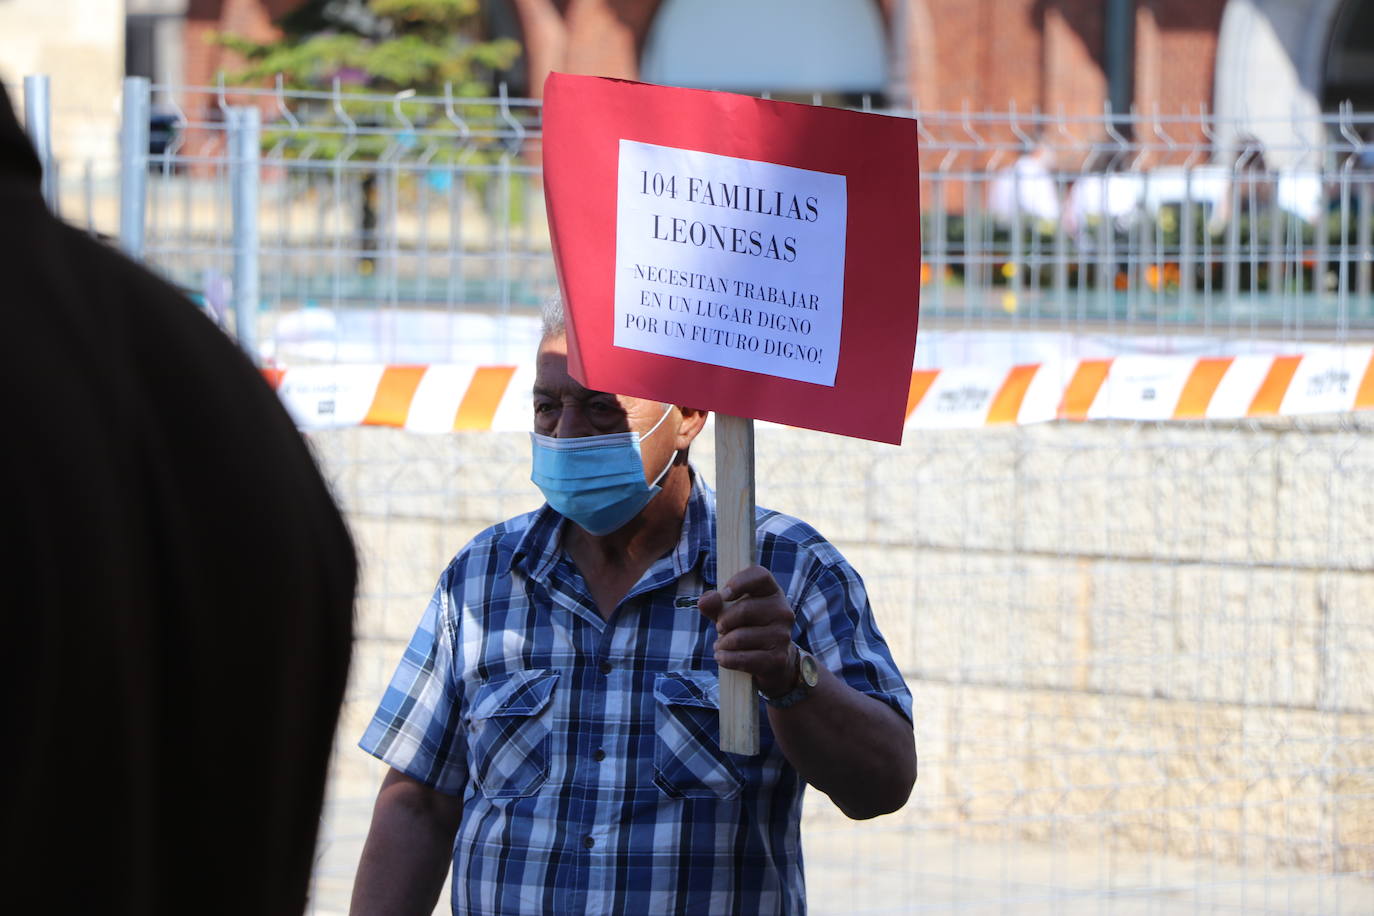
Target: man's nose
572 423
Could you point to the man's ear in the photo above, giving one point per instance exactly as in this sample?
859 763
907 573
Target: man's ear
690 426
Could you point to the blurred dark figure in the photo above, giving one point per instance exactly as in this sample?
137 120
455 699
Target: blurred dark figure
177 592
1363 155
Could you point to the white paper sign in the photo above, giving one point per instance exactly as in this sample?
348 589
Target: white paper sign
729 261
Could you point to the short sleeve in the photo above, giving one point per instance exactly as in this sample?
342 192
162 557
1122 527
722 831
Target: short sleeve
417 727
837 626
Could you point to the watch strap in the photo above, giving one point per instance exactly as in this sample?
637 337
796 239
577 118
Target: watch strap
799 691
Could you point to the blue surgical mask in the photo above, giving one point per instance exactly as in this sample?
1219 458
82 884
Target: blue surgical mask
596 481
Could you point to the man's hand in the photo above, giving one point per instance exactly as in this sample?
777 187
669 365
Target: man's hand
851 746
754 626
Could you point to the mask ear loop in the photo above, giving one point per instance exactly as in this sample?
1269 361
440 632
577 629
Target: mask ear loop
671 458
658 424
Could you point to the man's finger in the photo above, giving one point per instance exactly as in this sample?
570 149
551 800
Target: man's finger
762 639
751 662
754 612
752 580
711 604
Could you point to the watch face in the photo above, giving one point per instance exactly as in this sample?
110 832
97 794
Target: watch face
810 670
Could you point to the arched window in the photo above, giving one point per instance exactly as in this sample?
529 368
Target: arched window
791 48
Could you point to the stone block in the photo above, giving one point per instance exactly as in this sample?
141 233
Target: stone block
1246 635
478 477
1204 780
1126 633
1324 504
950 488
400 555
985 618
825 480
1348 647
1310 778
1169 492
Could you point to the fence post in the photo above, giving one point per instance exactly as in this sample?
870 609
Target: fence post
38 125
245 131
133 164
1364 254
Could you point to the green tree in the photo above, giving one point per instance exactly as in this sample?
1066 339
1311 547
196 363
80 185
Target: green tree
378 53
378 46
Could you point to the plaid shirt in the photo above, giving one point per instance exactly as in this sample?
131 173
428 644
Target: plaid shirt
586 750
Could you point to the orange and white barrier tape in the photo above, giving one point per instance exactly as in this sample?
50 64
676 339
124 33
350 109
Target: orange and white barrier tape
447 398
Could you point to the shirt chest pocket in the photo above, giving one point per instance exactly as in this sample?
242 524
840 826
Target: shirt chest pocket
509 732
688 761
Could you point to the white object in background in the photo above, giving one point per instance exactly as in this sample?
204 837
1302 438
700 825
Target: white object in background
1028 185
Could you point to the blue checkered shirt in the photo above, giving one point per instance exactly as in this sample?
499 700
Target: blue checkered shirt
586 750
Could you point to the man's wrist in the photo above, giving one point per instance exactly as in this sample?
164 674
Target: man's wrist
789 681
806 675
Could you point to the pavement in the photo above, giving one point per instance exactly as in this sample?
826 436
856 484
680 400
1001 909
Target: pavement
870 868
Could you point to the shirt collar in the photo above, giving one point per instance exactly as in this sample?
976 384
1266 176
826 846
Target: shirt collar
539 548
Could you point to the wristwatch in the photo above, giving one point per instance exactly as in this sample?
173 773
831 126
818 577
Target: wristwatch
808 675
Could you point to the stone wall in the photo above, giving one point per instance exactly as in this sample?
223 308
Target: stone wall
79 45
1151 638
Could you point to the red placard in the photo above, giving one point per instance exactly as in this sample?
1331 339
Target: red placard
752 257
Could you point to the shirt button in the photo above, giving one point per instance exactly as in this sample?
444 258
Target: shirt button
588 842
605 667
599 756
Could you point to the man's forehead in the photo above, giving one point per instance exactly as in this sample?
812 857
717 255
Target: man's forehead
552 377
567 385
562 384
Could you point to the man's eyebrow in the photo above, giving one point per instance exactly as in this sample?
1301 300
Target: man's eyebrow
577 390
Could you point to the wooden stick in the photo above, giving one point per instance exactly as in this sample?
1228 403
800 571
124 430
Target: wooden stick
739 703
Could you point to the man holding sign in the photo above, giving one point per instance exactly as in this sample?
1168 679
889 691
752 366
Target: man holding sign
557 707
562 708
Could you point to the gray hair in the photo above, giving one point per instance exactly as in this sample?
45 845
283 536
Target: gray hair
554 321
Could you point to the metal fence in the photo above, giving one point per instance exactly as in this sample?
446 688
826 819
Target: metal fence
264 202
1140 651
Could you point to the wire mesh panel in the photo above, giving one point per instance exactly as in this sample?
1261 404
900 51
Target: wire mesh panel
387 227
1136 223
1140 651
386 223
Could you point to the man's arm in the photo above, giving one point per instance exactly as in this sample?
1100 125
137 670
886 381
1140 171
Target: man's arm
408 849
854 748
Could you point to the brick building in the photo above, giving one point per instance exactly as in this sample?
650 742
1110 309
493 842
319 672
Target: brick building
1240 58
1043 53
942 53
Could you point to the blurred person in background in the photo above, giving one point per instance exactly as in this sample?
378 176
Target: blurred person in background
1364 155
1103 193
178 592
1029 187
